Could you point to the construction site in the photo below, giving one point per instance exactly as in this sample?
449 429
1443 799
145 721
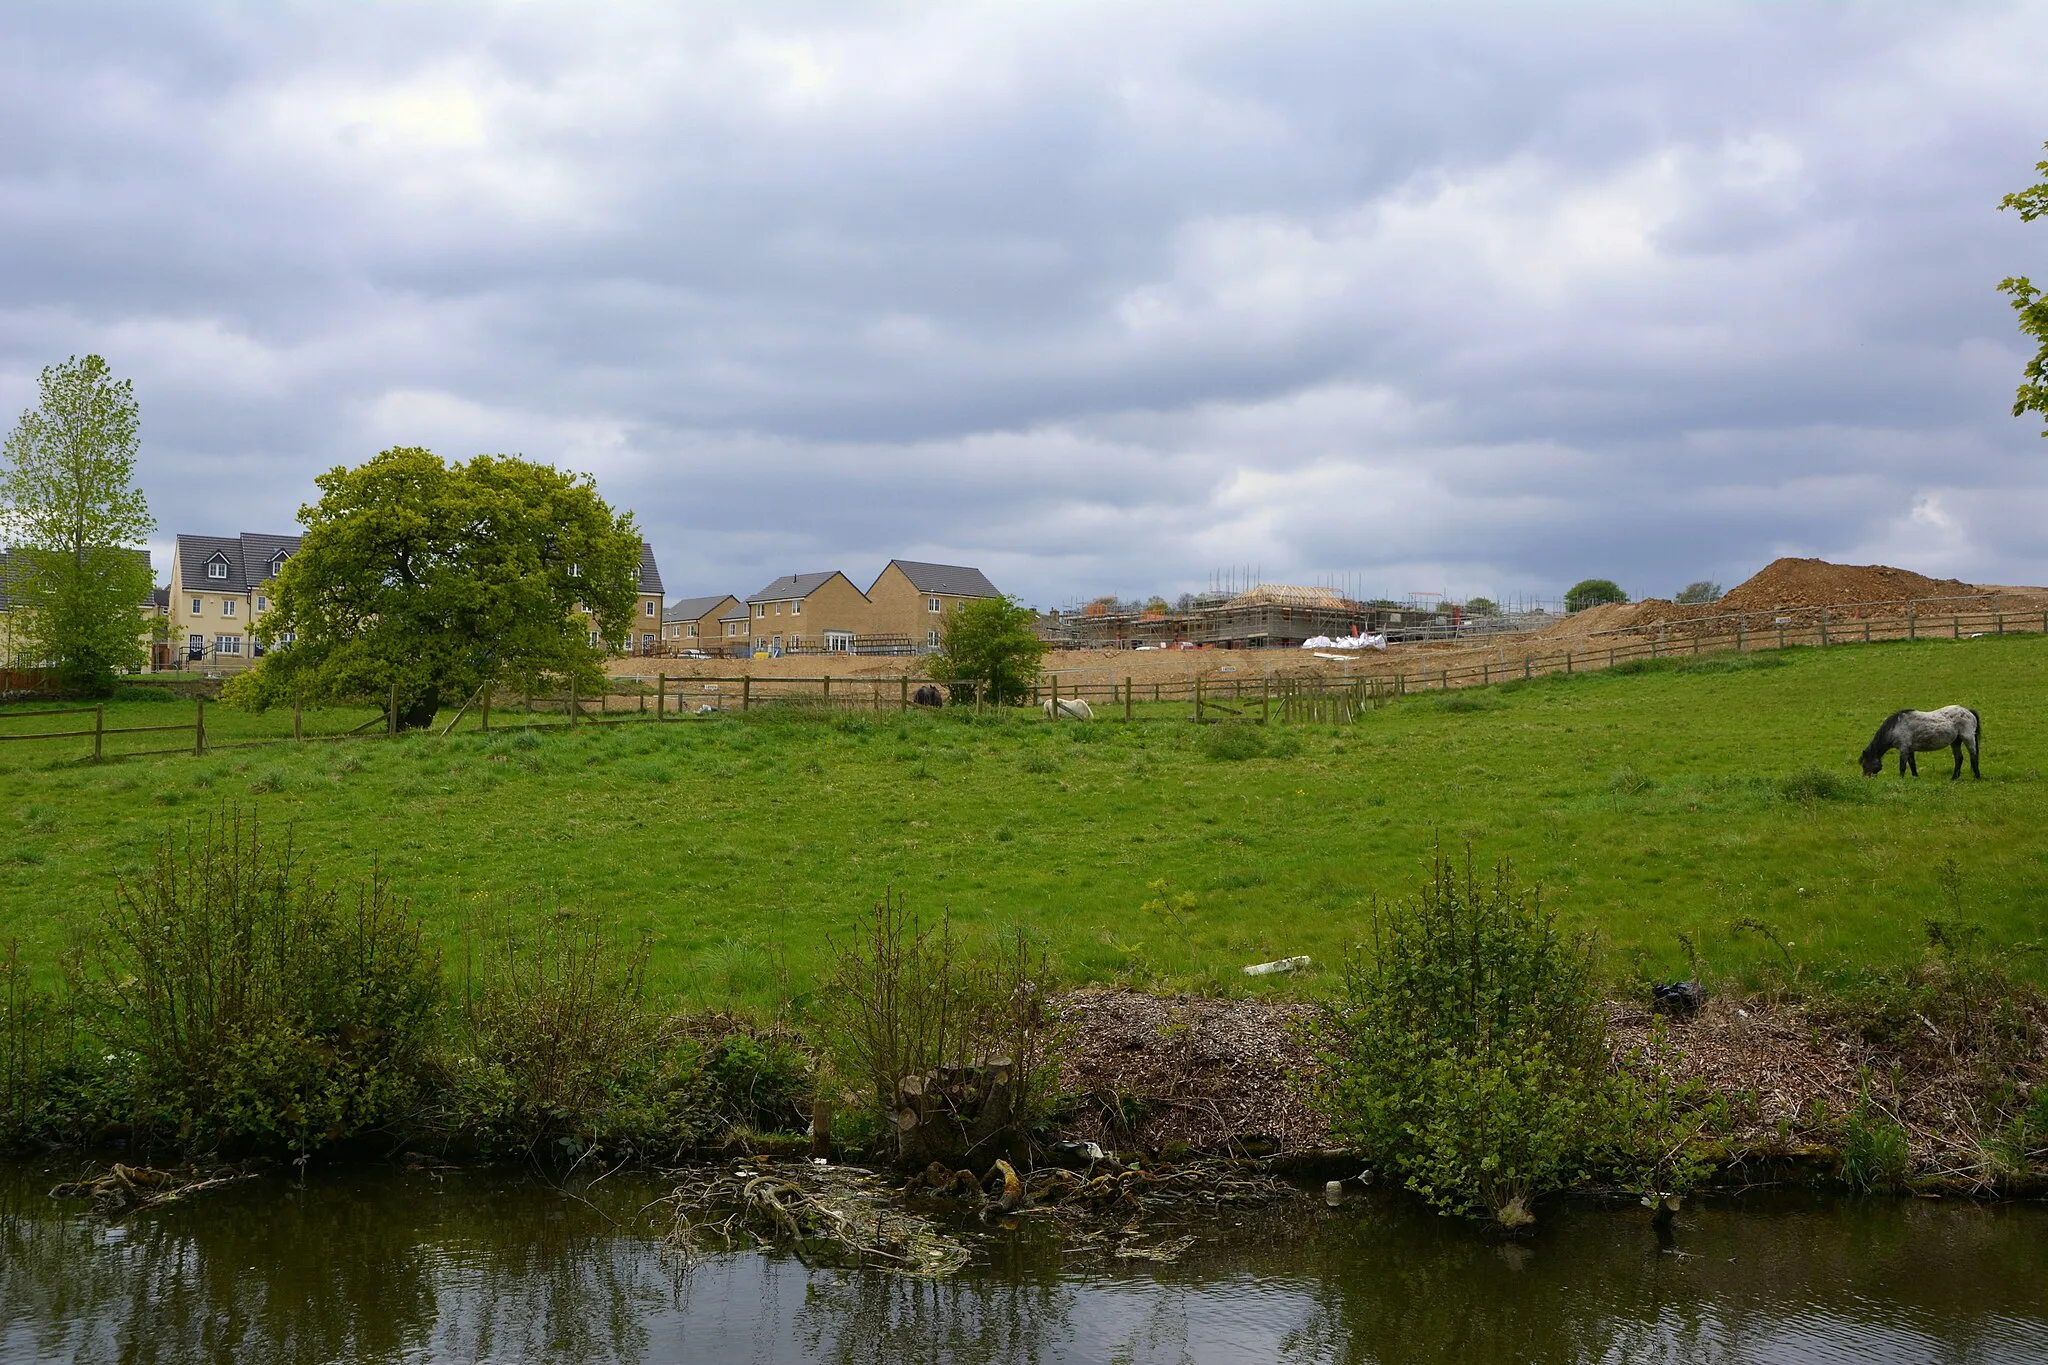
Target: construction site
1269 616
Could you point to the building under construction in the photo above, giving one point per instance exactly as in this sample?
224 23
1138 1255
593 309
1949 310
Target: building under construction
1267 616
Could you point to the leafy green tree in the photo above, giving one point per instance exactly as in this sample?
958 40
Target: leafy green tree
72 512
1698 594
989 649
2030 303
441 577
1593 592
1482 606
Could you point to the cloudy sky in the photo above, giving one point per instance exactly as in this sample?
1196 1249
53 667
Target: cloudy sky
1101 297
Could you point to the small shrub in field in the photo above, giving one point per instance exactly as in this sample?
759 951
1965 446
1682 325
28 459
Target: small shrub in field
761 1081
1629 782
350 763
1468 1054
1814 783
260 1010
270 780
1233 743
1039 761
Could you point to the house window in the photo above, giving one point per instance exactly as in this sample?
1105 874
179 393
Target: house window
647 643
760 609
931 637
934 604
839 641
227 606
276 562
227 644
796 609
217 567
199 606
691 630
593 639
650 607
778 608
262 602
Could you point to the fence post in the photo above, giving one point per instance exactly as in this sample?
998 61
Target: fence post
1740 622
660 694
1823 627
1266 700
99 730
572 704
488 689
1956 626
746 690
298 723
2001 623
903 693
1127 697
828 689
198 726
1913 625
1567 661
391 716
1526 667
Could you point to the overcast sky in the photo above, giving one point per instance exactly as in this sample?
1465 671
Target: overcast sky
1099 297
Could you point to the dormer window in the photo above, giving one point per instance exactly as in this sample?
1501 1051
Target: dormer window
277 562
217 567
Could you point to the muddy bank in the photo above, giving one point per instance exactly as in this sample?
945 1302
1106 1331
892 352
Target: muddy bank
1174 1076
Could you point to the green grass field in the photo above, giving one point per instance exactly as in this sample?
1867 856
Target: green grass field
1648 804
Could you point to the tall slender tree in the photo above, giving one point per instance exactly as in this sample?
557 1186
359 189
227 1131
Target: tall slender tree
74 520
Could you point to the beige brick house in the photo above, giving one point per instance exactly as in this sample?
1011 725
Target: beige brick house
804 613
698 622
910 599
220 588
12 567
644 633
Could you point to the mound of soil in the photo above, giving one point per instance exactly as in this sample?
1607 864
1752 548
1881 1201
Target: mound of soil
1817 583
1592 620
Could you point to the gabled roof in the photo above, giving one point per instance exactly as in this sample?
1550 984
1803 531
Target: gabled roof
696 608
795 586
249 557
13 568
948 580
738 613
650 573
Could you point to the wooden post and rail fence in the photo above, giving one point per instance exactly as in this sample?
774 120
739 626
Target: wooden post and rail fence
1212 697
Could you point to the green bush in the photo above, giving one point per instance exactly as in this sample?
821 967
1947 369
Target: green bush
1629 782
556 1051
1233 743
1875 1154
1813 783
761 1080
252 1008
1467 1056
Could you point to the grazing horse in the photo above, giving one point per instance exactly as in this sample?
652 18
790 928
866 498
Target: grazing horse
1072 707
927 695
1911 732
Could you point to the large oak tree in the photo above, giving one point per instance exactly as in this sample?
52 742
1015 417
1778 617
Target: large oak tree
438 578
73 517
2030 303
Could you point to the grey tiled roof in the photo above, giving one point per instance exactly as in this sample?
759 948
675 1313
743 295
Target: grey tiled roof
12 568
795 585
693 608
249 557
951 580
738 613
650 573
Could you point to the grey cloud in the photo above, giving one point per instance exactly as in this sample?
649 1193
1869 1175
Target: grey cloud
1484 298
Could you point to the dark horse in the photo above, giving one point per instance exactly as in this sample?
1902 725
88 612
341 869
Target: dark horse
1912 732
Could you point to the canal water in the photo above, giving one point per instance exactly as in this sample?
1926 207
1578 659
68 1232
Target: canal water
494 1266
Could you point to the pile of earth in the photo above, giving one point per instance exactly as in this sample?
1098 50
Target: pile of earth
1817 583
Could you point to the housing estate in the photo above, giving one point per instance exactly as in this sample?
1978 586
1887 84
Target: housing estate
643 635
825 613
220 588
804 613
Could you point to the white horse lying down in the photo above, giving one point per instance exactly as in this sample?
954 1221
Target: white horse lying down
1069 706
1911 732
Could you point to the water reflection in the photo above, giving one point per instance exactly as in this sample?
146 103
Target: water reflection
374 1267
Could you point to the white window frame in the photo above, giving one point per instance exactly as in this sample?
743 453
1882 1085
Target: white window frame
227 606
227 644
650 607
934 604
217 567
690 630
796 608
198 606
262 602
760 611
839 641
593 639
276 562
931 639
